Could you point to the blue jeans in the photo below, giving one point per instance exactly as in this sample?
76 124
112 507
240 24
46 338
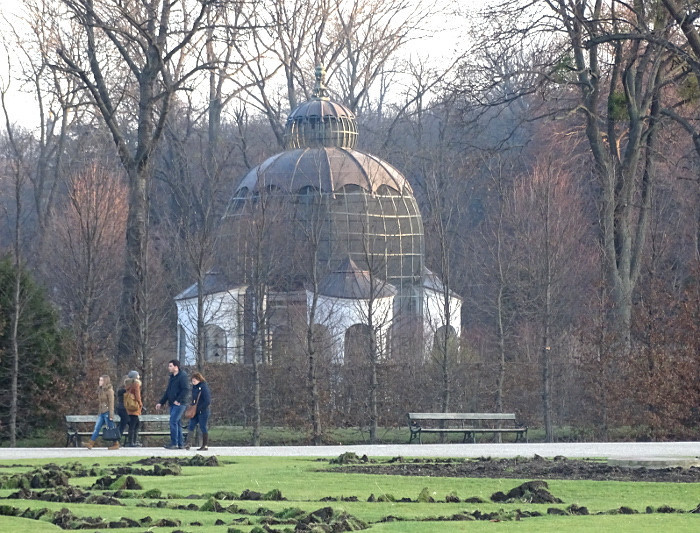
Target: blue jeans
201 419
102 419
176 412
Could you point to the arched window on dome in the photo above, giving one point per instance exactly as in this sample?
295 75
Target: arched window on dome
239 200
350 188
308 195
386 190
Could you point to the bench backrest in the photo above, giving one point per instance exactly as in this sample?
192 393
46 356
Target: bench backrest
76 419
461 416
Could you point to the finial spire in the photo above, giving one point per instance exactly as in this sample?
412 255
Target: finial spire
320 89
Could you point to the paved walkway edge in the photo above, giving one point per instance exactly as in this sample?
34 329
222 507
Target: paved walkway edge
603 450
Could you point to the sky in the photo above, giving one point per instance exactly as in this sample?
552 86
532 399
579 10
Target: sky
22 106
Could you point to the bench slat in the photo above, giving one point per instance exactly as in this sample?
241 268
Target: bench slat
74 432
83 419
461 416
469 431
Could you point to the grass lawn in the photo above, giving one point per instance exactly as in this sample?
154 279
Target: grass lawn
307 486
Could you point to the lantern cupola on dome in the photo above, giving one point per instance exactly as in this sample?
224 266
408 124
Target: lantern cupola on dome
320 122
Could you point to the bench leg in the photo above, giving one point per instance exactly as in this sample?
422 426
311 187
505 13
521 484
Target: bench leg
415 434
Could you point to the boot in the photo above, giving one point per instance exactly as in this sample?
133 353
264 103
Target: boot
90 444
114 446
205 441
186 443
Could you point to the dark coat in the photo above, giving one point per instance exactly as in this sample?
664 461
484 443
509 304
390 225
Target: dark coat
120 398
204 398
177 389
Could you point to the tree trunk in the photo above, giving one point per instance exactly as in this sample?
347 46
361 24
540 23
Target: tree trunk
134 320
373 412
501 374
547 373
547 318
16 312
256 401
313 379
201 331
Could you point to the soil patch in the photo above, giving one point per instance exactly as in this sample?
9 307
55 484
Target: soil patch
522 468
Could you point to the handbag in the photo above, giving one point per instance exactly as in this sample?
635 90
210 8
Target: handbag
191 410
111 433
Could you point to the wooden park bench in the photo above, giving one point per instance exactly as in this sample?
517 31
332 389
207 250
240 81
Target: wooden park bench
470 424
79 426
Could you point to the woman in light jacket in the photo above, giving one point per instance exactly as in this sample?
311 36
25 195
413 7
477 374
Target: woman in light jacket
105 410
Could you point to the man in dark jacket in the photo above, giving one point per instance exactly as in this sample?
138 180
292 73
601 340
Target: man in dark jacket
176 396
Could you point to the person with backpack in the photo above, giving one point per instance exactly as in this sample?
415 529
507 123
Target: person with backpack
133 404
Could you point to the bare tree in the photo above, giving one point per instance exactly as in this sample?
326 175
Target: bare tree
547 222
86 238
149 47
616 76
356 40
28 42
259 261
18 172
310 222
446 195
366 344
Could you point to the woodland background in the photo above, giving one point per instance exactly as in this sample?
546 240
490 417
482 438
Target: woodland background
554 149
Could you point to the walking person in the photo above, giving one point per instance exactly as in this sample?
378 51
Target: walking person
175 395
105 411
120 409
133 405
201 399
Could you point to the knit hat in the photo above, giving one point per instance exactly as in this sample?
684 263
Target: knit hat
133 374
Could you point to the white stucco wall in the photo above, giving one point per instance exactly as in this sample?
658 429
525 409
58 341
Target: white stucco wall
434 317
339 314
222 309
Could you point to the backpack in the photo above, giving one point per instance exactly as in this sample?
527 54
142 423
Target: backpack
130 403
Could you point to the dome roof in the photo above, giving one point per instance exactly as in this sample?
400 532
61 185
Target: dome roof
327 170
360 207
320 121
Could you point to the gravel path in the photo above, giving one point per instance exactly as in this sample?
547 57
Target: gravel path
615 450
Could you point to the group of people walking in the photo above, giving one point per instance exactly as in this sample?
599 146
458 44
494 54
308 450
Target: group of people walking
129 406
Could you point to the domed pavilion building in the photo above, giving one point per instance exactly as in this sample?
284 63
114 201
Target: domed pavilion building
336 238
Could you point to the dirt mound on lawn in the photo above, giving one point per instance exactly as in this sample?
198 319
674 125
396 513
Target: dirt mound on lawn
524 468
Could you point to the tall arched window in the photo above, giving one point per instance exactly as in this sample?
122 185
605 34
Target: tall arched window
357 345
215 344
181 343
445 343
